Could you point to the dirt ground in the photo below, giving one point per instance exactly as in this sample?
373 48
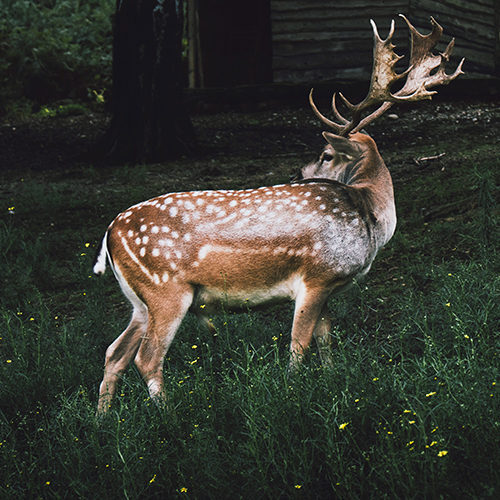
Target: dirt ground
247 148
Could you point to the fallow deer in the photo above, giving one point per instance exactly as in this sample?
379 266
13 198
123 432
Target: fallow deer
193 251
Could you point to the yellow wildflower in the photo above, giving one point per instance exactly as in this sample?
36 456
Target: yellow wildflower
443 453
343 426
429 394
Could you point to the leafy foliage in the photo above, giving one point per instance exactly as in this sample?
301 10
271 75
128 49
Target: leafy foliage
54 49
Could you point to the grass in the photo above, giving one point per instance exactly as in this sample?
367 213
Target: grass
409 408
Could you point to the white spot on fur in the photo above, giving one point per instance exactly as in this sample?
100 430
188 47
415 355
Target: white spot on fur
322 206
164 277
204 251
143 228
145 239
138 241
155 252
173 211
130 233
142 251
155 229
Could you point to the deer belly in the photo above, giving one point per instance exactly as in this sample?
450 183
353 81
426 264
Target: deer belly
208 299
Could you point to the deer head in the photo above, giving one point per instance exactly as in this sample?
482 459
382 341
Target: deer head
196 250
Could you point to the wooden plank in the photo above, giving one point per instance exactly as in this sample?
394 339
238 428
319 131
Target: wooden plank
300 5
351 74
324 60
480 19
313 25
323 14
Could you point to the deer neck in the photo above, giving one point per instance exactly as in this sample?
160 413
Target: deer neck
371 178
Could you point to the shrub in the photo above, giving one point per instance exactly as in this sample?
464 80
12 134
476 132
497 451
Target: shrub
51 50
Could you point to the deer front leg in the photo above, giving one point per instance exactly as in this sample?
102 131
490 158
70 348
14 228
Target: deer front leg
308 306
165 318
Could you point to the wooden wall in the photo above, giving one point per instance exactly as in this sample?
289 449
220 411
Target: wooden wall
473 23
318 40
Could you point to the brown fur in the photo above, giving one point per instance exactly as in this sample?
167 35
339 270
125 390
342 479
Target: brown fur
198 250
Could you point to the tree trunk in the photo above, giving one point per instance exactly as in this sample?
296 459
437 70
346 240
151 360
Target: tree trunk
149 121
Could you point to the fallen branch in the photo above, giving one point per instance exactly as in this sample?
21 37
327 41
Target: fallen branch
428 158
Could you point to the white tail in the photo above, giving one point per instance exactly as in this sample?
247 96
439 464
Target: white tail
196 250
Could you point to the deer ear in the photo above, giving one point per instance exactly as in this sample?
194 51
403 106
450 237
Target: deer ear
342 145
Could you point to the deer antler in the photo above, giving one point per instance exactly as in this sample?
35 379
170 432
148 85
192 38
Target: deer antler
419 78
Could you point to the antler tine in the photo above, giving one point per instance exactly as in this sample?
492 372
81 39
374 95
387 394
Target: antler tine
336 111
337 127
377 36
348 103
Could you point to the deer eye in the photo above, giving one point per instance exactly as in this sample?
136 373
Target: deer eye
327 157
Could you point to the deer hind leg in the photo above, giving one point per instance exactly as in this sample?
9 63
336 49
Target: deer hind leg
308 307
163 322
323 338
120 353
205 321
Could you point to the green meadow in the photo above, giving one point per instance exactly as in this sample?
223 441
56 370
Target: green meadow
409 409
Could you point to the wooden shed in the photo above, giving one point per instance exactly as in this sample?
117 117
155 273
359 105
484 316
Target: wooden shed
305 41
332 39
